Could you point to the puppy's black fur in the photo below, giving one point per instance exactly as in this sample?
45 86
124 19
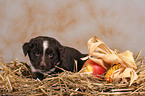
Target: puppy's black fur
55 55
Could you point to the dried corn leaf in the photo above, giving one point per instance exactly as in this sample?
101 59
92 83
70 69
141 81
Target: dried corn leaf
121 72
127 58
96 44
128 72
99 61
104 56
99 50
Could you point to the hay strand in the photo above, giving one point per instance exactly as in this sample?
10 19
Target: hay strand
16 79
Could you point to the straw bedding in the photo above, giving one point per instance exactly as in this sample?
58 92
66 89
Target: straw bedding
16 79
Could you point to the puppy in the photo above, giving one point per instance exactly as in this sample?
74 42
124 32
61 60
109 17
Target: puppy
45 53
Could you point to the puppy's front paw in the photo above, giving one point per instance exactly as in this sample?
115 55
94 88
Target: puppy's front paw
38 75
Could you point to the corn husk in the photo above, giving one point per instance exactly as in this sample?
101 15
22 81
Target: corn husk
100 53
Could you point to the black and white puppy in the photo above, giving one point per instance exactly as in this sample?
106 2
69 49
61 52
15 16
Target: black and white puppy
45 53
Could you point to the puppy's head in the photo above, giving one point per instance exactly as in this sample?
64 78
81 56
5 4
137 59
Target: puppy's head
44 53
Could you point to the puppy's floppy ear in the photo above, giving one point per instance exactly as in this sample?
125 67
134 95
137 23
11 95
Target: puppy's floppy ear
25 48
61 49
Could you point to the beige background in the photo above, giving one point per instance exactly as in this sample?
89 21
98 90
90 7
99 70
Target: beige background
119 23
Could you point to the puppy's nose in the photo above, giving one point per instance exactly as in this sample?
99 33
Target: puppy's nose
43 66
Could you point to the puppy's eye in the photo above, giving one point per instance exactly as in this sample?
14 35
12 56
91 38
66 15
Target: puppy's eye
50 55
37 54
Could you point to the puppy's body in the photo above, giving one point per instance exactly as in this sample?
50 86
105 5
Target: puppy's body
45 53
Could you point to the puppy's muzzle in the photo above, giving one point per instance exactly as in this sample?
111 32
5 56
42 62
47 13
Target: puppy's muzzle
43 66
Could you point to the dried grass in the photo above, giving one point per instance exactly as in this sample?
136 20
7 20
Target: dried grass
16 79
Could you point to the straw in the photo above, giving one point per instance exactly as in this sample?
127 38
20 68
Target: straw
16 79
